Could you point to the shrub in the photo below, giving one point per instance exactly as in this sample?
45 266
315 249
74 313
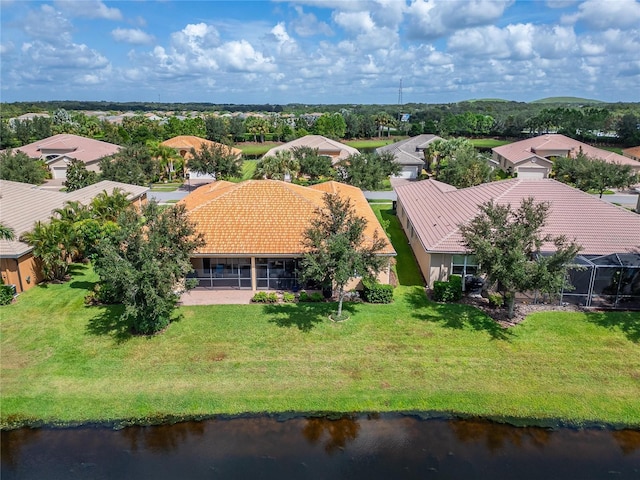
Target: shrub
375 292
288 297
450 291
317 297
103 293
6 294
303 296
264 297
495 300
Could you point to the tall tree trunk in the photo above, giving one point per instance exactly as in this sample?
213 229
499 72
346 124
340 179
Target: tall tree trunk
340 298
511 304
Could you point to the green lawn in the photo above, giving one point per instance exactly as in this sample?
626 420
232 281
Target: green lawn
64 362
487 143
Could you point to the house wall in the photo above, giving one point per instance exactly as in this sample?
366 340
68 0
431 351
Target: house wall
551 153
23 272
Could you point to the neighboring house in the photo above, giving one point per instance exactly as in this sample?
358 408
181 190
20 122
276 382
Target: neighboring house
253 231
409 154
532 158
22 205
57 152
431 212
633 153
183 145
327 147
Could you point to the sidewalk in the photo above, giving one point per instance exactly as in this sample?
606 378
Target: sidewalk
201 296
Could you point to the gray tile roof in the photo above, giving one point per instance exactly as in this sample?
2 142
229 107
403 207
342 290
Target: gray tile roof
436 211
409 151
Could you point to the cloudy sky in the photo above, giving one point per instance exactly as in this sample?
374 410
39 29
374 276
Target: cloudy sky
319 51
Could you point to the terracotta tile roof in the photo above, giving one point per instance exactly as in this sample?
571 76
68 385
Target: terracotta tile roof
519 151
187 142
265 217
600 227
22 204
73 146
325 146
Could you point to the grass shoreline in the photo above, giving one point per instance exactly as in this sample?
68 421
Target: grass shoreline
79 365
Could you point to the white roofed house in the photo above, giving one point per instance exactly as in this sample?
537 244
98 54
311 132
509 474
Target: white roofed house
58 151
325 146
409 154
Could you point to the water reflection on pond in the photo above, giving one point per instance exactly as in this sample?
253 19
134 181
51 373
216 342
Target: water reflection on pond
367 447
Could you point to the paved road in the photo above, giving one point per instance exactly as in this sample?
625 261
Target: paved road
625 199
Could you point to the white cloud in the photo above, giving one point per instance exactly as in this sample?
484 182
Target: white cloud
434 19
6 48
601 15
354 22
132 35
240 56
307 25
48 24
89 9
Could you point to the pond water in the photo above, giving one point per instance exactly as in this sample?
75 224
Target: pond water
363 447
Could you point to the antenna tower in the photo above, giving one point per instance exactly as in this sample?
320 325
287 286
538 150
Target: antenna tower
400 94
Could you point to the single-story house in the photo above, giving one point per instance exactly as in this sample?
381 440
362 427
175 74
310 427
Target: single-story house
431 213
58 150
633 153
253 231
22 205
532 158
409 154
183 145
330 148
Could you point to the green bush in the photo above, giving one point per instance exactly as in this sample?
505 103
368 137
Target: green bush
314 297
450 291
260 297
495 300
375 292
288 297
6 294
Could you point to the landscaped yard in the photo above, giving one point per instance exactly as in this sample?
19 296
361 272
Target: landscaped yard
62 361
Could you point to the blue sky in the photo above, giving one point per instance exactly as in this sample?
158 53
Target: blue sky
319 51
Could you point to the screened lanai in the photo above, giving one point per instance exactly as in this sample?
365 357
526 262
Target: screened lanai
607 281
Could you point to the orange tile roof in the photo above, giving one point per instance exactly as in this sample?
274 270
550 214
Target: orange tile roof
187 142
266 217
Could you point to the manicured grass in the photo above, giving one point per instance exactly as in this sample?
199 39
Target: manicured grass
372 142
488 142
64 362
166 187
256 149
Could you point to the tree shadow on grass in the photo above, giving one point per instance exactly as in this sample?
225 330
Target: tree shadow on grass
108 321
627 322
303 315
455 316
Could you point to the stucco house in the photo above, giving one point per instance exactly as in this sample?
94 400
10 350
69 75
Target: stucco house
409 154
22 205
532 158
183 145
58 150
431 213
253 231
633 153
330 148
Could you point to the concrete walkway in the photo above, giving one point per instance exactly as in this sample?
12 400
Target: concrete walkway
203 296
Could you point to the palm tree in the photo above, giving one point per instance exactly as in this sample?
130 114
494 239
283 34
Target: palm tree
107 207
6 233
278 166
165 156
48 246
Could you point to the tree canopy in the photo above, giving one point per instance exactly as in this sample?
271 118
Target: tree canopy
368 171
337 249
78 176
145 262
508 247
278 166
592 174
216 159
17 166
133 164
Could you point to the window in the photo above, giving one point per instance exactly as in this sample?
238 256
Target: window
464 265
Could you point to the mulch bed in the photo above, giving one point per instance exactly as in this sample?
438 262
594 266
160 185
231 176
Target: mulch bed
500 315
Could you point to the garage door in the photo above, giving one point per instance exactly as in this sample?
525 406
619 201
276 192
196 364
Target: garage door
526 172
59 172
408 172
